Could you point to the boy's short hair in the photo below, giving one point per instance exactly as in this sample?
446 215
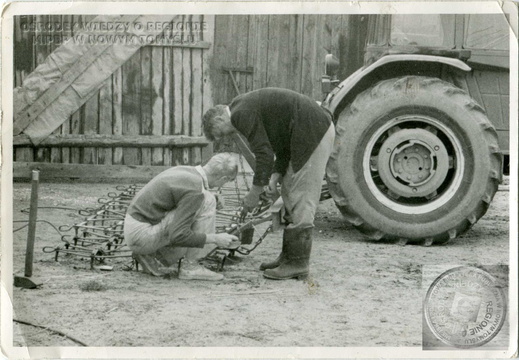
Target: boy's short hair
211 117
224 164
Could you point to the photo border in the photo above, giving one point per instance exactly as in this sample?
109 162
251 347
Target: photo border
6 292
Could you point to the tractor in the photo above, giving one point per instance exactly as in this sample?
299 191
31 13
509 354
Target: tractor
422 128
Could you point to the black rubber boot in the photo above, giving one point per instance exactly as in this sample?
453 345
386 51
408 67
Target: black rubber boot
297 256
275 263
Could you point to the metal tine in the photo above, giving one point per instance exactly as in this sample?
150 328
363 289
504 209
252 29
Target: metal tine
65 228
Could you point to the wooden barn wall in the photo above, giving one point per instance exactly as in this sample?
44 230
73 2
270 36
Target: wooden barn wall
165 90
161 90
285 51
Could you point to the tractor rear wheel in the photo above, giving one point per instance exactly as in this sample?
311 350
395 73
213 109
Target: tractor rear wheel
415 159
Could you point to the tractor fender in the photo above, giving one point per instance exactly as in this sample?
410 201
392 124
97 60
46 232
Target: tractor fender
335 97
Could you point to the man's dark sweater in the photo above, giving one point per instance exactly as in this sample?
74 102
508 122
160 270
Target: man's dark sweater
278 122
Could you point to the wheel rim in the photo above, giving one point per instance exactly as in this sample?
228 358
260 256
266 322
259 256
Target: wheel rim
413 164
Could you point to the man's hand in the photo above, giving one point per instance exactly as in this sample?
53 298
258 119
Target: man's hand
250 201
222 240
272 190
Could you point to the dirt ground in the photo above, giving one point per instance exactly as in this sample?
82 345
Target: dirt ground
360 293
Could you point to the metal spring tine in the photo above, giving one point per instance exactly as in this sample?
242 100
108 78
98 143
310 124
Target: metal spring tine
97 234
72 252
65 228
96 237
86 212
64 238
104 219
84 241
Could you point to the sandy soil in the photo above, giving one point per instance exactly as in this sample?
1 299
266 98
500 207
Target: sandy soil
360 293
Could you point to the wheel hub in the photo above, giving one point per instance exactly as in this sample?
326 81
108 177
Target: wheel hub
413 162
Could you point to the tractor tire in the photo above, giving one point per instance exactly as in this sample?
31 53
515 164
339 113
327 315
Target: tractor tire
415 160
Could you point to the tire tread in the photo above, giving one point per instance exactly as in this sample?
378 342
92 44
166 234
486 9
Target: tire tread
435 85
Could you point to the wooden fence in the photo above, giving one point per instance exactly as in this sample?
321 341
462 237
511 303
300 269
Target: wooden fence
164 90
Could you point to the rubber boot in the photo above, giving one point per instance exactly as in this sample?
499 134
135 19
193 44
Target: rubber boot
297 256
275 263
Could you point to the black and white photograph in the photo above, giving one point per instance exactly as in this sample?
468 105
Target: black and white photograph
253 180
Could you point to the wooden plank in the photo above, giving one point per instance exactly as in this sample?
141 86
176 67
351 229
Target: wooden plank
65 151
23 154
104 156
342 50
146 90
177 157
26 38
196 45
177 154
187 83
177 92
196 106
42 154
66 127
295 39
284 55
186 98
40 54
252 43
322 42
55 154
28 115
108 141
167 107
337 31
241 31
90 121
157 101
309 54
219 78
197 95
207 89
87 172
260 65
25 117
117 113
231 58
75 118
273 52
131 108
75 128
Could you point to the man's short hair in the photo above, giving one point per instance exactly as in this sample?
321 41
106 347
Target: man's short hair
224 164
211 117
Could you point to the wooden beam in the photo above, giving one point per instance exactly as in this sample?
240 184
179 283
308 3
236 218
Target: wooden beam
95 140
248 70
89 172
26 116
197 45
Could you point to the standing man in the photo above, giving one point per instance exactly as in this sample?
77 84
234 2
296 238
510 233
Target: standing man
292 138
173 216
